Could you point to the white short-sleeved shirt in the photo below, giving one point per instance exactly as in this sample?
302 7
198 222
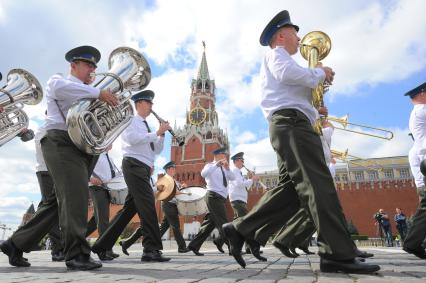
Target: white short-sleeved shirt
136 141
238 187
64 92
214 178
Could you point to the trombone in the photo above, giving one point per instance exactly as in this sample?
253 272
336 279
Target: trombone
386 134
343 155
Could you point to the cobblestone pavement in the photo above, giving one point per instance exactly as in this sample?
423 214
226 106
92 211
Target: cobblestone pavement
397 266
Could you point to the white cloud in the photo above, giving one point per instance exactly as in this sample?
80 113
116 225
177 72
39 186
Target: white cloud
246 137
369 147
11 212
259 155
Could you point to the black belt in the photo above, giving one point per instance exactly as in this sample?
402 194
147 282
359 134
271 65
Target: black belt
238 201
215 194
290 112
138 162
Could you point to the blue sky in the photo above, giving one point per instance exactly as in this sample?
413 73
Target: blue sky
378 54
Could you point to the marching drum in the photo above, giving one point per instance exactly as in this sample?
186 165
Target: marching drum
117 190
191 202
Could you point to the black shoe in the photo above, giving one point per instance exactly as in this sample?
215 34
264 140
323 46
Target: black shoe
112 254
14 254
183 250
248 251
418 252
195 251
293 251
307 251
154 256
361 259
218 246
363 254
236 242
58 256
284 250
104 256
255 250
124 247
347 266
82 262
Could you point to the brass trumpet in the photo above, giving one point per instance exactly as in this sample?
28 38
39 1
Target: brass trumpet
253 173
179 140
387 135
343 155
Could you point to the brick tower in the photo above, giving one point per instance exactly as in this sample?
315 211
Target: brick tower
201 131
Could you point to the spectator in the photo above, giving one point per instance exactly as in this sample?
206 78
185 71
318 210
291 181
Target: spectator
401 223
382 219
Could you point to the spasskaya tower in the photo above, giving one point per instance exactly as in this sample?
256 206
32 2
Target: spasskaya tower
201 131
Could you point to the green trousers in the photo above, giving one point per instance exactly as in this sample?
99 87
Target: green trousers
47 190
70 169
239 207
214 219
297 232
44 221
140 200
305 182
100 218
171 219
133 238
417 232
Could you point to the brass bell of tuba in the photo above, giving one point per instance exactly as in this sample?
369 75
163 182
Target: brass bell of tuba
21 88
314 47
93 125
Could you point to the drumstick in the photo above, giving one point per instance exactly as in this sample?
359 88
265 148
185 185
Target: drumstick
183 193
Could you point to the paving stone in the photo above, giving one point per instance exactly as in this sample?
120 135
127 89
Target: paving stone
396 266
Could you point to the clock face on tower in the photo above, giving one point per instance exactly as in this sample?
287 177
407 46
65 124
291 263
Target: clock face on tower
197 116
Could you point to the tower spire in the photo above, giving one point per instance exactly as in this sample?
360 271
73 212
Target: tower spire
203 71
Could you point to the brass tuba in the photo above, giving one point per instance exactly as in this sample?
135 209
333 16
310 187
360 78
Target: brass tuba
93 125
314 47
21 88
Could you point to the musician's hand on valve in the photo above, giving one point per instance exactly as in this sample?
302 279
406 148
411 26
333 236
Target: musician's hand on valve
96 181
323 110
255 178
106 96
329 74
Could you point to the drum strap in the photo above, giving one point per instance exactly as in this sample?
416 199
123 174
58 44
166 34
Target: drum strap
110 166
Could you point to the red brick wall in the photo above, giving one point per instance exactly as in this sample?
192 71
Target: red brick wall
193 148
361 201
